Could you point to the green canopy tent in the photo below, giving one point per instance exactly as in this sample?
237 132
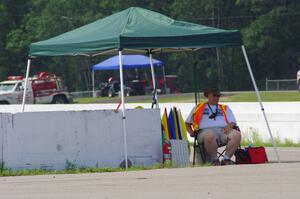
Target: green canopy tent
137 30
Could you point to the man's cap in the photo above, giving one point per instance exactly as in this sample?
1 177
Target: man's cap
214 91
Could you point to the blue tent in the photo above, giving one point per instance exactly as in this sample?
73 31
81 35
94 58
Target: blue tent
128 61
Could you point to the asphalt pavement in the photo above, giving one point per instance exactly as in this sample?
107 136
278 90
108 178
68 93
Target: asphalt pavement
267 181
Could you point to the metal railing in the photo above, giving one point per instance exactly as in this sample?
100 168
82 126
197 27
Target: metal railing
281 84
80 94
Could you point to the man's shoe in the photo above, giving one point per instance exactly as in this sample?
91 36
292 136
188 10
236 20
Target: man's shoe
227 162
216 163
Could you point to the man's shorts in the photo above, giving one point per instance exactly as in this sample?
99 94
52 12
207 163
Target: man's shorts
218 132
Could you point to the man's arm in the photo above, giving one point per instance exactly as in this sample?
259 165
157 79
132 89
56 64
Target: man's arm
231 119
189 123
229 126
189 129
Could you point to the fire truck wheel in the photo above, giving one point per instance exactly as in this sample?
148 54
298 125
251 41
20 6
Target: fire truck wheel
60 99
110 93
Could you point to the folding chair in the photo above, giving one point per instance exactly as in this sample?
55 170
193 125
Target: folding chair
202 151
203 154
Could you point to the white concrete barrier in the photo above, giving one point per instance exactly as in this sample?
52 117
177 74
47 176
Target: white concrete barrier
94 138
284 118
52 140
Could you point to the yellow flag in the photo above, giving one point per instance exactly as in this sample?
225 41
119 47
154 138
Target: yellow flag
182 125
164 122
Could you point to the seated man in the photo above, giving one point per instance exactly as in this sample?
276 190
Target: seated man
214 124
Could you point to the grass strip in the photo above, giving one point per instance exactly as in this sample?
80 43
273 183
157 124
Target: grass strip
276 96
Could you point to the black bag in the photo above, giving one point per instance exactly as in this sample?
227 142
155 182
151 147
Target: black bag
242 156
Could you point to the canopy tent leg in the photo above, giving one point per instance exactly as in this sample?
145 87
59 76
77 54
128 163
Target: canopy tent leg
196 102
123 109
155 100
260 102
26 83
165 79
195 79
93 83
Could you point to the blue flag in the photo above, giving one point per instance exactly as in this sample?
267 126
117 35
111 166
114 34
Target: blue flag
172 125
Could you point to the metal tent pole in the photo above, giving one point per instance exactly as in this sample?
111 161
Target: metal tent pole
123 109
196 102
93 82
153 80
26 83
260 102
165 79
195 79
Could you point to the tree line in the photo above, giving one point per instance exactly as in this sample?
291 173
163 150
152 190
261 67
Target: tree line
270 29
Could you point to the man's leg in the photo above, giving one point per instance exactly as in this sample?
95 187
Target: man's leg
234 140
210 143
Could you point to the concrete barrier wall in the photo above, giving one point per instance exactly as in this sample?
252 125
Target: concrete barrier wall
84 138
283 117
48 135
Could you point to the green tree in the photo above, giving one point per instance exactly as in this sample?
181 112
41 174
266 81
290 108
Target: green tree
270 29
273 42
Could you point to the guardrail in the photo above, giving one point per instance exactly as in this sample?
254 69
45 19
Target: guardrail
281 84
80 94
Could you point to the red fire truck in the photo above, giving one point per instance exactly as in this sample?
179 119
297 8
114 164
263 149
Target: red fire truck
42 89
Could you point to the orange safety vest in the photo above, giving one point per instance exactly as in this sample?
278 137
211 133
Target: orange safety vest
198 114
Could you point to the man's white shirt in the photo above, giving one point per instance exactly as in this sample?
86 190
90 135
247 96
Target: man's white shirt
218 121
